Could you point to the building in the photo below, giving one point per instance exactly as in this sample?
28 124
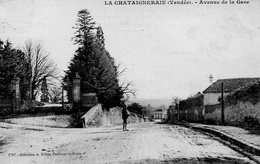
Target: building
160 114
213 92
207 107
212 108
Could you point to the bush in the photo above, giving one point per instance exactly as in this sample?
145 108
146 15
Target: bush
243 111
5 111
250 92
196 100
135 108
250 121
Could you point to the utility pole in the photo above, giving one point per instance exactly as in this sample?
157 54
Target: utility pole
62 94
30 93
222 104
178 111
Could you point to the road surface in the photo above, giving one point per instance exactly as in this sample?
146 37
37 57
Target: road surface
144 143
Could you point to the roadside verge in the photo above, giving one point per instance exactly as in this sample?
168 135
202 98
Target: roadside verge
250 150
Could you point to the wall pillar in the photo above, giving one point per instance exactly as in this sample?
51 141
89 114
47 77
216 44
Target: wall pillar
44 89
17 95
76 90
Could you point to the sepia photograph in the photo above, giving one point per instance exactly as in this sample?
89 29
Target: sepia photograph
129 81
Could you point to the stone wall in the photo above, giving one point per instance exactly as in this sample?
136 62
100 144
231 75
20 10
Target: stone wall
192 114
96 116
191 109
93 117
235 114
213 114
212 98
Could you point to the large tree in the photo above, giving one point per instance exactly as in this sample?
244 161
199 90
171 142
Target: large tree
55 94
175 100
94 64
13 64
136 108
40 66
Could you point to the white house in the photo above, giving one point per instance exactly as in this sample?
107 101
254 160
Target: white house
160 114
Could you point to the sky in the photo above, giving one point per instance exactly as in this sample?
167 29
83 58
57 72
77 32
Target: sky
168 50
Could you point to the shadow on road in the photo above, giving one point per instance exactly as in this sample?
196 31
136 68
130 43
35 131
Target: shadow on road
161 122
2 143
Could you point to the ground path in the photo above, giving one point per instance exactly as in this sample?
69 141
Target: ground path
144 143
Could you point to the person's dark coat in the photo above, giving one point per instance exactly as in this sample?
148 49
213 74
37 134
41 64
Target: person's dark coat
124 114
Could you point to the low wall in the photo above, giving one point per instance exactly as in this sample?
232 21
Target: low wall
195 114
191 109
213 114
192 114
96 116
93 117
235 114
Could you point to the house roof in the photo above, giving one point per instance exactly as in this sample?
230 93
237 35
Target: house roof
159 110
230 85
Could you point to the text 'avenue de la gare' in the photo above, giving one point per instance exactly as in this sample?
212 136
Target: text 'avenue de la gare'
177 2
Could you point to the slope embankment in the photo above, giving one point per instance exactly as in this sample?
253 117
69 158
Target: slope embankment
96 116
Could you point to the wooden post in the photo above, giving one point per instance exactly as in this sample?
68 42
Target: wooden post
222 104
30 94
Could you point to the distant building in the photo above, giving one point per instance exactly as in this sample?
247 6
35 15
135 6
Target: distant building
213 92
160 114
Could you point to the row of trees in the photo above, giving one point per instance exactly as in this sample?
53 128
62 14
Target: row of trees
94 64
31 64
140 109
13 63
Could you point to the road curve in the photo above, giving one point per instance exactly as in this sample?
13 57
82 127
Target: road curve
143 143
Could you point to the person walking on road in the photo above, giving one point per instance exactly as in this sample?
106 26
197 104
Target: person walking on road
125 115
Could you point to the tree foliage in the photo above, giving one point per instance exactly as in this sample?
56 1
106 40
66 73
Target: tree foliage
249 92
55 94
40 66
136 108
175 100
13 63
192 101
92 61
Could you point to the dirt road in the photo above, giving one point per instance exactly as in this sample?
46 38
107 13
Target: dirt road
144 143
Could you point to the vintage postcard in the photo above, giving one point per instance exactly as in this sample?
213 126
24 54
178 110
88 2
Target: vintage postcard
129 81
